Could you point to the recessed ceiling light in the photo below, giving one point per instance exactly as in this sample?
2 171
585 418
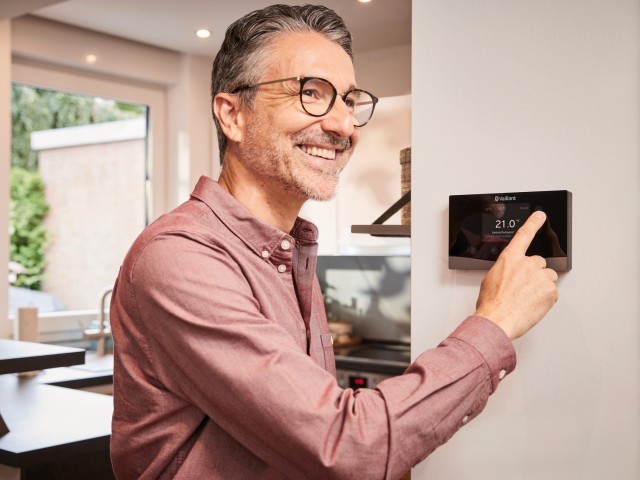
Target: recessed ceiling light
364 1
91 58
203 33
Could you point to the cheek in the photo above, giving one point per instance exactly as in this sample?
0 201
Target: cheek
355 139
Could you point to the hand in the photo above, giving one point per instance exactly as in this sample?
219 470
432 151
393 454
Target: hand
518 291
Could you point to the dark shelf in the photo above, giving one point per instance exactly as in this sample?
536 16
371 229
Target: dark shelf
377 230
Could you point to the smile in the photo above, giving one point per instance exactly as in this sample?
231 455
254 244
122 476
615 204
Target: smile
329 154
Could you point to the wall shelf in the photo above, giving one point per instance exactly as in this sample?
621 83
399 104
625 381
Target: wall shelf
377 229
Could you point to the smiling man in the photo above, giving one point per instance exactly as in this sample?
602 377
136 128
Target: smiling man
224 365
290 137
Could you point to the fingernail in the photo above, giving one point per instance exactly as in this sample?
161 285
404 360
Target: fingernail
540 215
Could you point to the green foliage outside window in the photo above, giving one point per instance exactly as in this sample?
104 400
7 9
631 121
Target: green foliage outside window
36 109
28 236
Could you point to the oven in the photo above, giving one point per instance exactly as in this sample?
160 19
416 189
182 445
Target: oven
368 304
367 364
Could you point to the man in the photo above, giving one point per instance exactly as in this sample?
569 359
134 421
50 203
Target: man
224 367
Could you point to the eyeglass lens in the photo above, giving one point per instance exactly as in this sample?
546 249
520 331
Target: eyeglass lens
318 96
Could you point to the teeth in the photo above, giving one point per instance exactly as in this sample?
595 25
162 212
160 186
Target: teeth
319 152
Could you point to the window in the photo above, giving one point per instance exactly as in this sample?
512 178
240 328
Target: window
102 186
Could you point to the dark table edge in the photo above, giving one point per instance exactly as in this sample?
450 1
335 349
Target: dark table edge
83 382
27 364
35 457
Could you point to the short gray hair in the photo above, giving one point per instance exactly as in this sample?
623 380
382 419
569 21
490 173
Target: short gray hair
240 60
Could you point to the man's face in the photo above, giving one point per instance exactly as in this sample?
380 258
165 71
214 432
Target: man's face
284 145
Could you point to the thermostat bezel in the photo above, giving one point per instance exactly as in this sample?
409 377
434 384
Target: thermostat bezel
481 225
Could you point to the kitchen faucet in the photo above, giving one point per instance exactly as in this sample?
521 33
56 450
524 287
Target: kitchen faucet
103 331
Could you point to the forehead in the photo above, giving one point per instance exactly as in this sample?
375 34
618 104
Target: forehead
309 54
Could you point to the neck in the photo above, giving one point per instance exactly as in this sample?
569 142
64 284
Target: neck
265 198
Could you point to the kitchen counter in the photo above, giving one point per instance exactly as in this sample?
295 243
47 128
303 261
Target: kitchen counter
54 432
97 371
27 356
50 423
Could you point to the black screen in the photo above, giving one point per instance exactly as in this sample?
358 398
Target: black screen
480 226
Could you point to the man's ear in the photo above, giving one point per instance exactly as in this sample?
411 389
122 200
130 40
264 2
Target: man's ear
227 109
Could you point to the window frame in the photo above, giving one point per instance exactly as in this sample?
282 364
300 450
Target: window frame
154 97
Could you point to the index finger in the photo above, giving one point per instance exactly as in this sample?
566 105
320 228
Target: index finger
524 236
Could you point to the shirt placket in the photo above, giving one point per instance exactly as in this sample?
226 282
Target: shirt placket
304 267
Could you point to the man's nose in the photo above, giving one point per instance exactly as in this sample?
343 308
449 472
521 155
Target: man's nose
339 120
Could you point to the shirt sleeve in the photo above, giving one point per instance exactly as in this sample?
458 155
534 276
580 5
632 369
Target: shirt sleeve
208 343
443 390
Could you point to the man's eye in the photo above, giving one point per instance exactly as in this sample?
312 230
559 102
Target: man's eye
310 94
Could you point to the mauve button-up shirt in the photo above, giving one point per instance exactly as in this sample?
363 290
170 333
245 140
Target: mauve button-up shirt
224 367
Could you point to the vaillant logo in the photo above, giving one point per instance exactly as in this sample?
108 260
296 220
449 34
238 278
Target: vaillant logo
505 198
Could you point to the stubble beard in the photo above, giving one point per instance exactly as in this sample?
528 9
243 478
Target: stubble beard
274 157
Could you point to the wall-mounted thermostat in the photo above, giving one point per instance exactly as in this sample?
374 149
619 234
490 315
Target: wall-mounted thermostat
480 226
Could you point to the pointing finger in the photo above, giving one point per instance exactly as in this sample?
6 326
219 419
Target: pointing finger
525 234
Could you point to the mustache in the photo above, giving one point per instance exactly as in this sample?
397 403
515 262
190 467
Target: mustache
322 139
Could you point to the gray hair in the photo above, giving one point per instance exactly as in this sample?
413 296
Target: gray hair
240 60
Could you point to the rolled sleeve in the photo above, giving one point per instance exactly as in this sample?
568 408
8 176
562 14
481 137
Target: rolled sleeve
491 343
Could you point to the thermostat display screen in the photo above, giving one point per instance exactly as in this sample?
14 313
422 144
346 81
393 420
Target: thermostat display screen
481 226
503 219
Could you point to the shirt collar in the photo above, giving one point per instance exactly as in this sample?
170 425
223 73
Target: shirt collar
255 233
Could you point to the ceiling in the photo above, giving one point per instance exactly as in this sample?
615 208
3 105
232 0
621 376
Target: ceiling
172 24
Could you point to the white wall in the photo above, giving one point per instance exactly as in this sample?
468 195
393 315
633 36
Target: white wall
5 161
518 96
385 72
193 144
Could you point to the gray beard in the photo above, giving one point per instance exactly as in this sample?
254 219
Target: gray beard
268 162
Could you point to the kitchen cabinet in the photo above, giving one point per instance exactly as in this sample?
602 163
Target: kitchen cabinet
370 183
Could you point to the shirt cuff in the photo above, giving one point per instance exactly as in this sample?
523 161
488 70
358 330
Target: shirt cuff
490 341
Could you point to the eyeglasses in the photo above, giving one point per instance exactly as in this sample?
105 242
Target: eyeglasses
318 95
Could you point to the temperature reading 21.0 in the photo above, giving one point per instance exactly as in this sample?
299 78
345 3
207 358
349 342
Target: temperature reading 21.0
502 220
502 224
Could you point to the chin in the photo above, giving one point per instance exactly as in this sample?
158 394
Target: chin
321 191
323 197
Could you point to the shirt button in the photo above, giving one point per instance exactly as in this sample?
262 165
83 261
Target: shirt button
265 253
465 419
502 374
285 245
282 268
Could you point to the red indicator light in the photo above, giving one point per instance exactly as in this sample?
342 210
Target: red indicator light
358 382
